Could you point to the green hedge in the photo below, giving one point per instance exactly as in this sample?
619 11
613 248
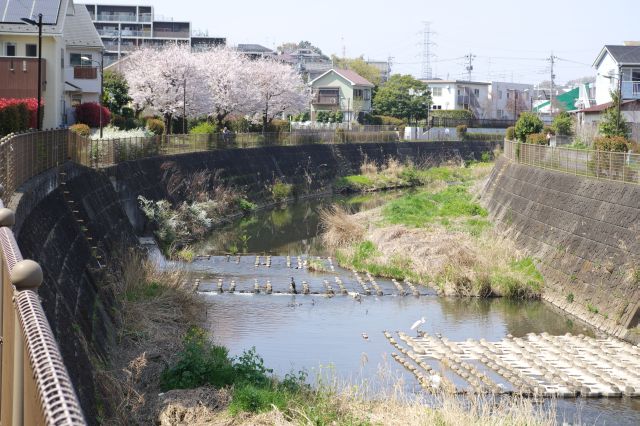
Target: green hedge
456 114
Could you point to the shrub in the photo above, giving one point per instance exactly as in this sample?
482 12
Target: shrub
156 126
17 115
527 124
611 143
89 114
548 130
510 133
563 124
127 112
124 123
461 131
322 116
302 117
455 114
537 138
81 129
281 191
279 126
204 128
386 120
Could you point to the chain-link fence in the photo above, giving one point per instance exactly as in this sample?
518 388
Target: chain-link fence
619 166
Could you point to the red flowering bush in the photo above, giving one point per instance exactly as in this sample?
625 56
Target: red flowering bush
89 114
18 114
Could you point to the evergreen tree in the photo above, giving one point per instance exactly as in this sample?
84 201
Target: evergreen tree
613 123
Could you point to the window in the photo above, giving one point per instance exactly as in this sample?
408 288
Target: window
75 60
436 91
76 100
357 94
507 95
476 92
499 94
31 50
10 49
500 113
367 95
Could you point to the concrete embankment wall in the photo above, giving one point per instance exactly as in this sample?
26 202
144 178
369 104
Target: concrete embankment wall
586 234
76 222
310 168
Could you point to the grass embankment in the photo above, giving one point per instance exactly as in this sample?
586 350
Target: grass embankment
437 235
394 174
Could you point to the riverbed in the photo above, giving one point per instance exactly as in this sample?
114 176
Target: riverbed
335 333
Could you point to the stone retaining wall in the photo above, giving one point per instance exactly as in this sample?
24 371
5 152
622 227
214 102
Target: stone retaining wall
585 233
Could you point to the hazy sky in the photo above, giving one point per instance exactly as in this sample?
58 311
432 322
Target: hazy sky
510 38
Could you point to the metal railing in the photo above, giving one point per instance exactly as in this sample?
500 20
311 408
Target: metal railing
618 166
36 388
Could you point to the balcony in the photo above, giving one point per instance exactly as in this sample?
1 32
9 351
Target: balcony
145 17
171 34
19 77
325 100
85 73
117 17
113 47
631 90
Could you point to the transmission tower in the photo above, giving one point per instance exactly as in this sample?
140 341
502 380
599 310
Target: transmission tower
469 67
427 54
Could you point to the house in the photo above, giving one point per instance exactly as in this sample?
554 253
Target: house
255 51
567 101
71 54
617 67
341 90
459 94
307 62
508 100
127 27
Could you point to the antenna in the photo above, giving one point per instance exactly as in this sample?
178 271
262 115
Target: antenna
470 57
427 72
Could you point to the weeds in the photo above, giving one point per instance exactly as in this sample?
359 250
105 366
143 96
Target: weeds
281 191
591 308
339 227
570 298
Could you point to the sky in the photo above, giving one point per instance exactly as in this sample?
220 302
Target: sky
511 39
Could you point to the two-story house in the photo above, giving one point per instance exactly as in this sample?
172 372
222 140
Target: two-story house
341 90
68 36
617 67
459 94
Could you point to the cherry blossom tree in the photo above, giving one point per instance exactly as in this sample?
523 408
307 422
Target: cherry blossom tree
224 73
275 88
163 79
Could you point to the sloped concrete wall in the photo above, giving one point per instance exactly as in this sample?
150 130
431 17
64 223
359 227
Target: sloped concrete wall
586 234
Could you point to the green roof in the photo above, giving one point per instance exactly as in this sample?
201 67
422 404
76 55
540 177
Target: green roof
566 101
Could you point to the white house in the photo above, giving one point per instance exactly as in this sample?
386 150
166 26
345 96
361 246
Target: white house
68 35
614 63
459 94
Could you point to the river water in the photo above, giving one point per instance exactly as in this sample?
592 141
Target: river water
340 338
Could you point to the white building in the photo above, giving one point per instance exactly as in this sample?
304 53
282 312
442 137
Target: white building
459 94
67 36
508 100
613 63
495 100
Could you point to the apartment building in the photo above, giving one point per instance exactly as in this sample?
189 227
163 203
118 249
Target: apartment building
125 28
459 94
71 54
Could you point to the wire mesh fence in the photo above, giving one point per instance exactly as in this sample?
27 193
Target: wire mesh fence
618 166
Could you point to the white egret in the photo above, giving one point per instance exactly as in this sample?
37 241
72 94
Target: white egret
418 323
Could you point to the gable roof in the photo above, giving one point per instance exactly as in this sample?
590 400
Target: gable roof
24 28
253 48
79 29
602 107
623 55
351 76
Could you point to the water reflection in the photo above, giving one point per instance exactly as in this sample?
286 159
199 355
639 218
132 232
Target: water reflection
290 229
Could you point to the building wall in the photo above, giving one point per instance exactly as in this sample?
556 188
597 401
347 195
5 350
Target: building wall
448 98
497 104
604 85
52 79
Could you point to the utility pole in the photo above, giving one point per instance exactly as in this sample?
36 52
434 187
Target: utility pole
552 59
389 65
470 57
427 72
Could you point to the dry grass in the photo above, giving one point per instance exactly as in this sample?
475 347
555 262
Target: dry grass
339 227
156 309
368 167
